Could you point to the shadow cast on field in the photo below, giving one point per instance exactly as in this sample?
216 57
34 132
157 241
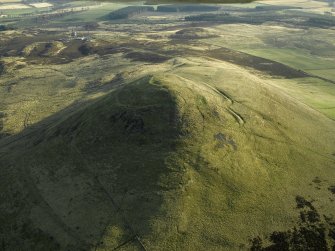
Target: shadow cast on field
96 174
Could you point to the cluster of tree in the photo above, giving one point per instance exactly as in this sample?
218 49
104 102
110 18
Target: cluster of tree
322 22
187 8
91 26
227 18
129 11
85 49
5 27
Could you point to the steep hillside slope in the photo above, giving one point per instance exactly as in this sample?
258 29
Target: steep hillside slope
179 160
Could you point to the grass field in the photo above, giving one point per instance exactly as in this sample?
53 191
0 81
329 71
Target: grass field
20 12
293 57
41 5
14 6
316 93
9 1
310 51
95 13
326 73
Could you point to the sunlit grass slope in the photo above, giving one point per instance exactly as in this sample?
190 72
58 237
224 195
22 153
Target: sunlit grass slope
179 160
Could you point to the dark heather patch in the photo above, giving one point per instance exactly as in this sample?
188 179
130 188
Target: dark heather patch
2 68
310 233
147 57
332 189
256 244
261 64
301 202
316 180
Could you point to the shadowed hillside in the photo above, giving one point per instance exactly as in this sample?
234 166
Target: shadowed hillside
105 161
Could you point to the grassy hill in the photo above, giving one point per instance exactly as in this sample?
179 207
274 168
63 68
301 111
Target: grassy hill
173 161
155 133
